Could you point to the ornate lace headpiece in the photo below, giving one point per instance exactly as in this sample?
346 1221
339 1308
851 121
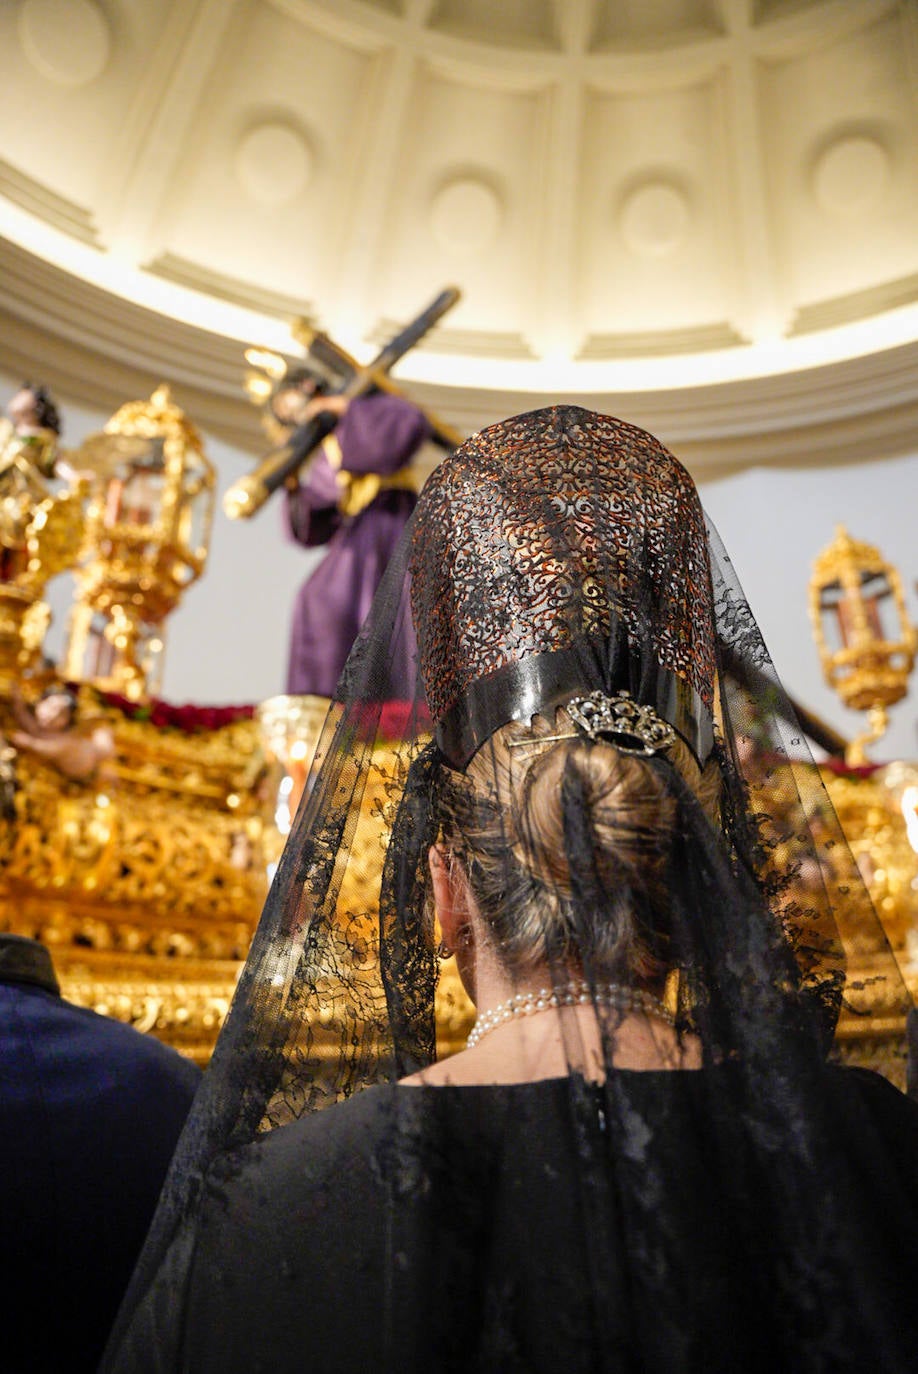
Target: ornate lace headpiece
555 554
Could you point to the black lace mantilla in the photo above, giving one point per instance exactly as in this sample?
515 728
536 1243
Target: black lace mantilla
758 1212
537 531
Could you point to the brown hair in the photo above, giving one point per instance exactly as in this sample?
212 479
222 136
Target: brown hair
566 845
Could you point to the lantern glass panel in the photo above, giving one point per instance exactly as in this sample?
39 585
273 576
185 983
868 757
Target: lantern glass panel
150 653
836 616
194 520
99 652
135 493
882 610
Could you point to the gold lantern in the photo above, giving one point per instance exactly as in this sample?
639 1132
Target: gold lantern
147 538
865 640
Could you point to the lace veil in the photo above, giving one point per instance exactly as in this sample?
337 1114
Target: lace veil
554 555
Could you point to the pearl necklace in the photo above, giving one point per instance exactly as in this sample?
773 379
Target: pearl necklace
571 995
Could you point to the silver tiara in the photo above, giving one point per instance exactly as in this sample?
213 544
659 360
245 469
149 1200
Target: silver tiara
622 721
618 719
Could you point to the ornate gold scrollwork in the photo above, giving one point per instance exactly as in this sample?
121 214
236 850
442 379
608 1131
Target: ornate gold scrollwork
146 882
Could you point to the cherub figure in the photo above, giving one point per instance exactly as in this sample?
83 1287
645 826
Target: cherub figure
50 729
8 783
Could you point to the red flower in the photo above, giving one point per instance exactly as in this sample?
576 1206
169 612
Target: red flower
188 718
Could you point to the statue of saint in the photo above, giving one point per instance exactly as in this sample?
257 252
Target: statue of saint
28 461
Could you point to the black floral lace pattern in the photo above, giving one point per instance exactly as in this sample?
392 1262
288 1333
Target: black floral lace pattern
561 532
545 524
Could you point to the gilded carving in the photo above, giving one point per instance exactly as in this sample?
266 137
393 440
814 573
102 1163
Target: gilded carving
148 879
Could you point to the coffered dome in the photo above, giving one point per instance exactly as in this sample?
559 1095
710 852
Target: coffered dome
634 196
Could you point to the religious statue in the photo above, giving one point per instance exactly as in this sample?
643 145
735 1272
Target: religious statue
349 437
28 456
41 524
52 730
355 499
8 781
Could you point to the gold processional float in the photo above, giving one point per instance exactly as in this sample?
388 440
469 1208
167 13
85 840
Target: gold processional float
136 838
867 647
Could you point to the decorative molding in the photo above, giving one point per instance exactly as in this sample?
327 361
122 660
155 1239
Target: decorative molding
274 162
30 195
857 411
97 350
534 26
660 342
560 162
654 218
782 31
68 42
358 217
99 320
154 127
759 308
857 305
679 134
184 272
851 172
474 343
466 214
612 29
100 381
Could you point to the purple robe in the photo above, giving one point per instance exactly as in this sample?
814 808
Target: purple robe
378 434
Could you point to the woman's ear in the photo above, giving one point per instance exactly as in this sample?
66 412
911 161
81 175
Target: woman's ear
450 896
454 906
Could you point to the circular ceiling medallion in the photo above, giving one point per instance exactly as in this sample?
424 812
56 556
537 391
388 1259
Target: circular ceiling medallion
67 41
654 219
273 163
466 215
851 174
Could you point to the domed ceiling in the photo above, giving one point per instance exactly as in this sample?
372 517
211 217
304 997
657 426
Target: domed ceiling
706 207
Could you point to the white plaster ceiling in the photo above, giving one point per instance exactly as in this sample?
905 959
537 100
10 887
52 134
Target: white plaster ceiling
633 195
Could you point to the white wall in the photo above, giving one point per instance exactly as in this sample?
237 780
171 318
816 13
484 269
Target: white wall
227 643
774 523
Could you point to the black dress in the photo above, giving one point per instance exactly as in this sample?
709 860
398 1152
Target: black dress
414 1229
